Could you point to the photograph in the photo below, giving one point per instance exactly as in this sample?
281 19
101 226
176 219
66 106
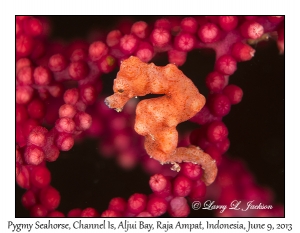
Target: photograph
175 116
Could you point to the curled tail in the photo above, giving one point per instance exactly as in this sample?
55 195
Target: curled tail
194 154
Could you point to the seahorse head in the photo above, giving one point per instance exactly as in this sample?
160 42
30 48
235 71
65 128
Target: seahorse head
132 78
131 81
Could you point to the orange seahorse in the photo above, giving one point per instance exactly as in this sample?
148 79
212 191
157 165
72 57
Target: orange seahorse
157 118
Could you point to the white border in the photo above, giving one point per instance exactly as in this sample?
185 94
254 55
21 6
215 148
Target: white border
10 8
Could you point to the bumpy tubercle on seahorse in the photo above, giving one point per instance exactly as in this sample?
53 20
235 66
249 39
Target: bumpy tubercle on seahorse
157 118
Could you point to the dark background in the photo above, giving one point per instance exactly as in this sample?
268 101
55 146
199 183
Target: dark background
256 126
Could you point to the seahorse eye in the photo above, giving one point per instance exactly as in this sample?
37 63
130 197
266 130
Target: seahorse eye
120 90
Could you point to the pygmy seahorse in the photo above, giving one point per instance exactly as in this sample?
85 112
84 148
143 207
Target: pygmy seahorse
157 118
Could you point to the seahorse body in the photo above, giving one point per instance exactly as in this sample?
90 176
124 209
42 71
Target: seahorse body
157 118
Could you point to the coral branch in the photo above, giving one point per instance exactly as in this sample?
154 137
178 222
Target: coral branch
157 118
